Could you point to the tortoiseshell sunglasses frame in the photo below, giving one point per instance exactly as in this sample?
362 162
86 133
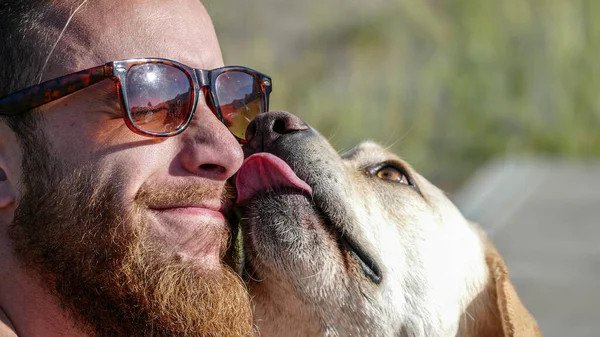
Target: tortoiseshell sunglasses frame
43 93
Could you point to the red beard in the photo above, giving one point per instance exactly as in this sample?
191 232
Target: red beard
95 255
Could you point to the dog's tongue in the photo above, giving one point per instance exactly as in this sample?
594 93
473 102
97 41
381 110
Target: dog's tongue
264 172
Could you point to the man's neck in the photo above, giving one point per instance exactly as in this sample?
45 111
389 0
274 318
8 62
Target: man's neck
27 309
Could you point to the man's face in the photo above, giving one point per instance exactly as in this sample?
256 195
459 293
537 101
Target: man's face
87 127
129 227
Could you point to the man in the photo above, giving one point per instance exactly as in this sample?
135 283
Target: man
113 198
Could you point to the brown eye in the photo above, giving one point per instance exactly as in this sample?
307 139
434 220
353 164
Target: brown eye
392 174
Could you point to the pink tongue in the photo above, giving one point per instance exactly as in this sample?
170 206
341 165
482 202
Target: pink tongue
265 172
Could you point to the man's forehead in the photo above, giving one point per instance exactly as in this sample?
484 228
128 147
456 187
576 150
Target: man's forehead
102 31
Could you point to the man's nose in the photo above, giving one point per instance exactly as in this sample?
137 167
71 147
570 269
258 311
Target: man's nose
265 129
210 150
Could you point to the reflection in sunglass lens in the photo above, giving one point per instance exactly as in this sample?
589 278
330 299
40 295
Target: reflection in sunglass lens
240 99
159 97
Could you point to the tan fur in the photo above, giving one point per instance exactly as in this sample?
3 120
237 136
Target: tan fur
440 275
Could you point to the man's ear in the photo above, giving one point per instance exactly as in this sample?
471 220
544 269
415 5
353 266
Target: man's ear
10 163
6 195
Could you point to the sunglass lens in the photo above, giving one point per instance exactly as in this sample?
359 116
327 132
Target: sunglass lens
159 97
240 100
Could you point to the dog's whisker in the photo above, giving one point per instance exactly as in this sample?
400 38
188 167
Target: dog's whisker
250 273
313 275
251 277
406 133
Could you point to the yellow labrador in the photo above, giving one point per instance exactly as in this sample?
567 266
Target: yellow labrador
362 245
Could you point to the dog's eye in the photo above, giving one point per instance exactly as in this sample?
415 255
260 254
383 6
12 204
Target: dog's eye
392 173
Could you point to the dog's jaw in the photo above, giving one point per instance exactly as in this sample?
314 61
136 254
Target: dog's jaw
298 274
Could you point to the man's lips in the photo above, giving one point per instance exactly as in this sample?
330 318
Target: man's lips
195 233
262 172
213 208
191 211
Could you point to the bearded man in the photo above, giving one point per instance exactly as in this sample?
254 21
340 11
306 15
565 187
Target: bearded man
119 129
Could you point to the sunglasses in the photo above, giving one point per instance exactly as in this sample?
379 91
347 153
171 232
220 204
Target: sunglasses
158 96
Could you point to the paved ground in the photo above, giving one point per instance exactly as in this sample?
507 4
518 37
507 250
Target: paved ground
544 217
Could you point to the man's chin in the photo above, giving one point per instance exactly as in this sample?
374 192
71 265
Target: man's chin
209 263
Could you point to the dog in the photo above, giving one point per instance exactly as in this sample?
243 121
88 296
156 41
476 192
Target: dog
360 244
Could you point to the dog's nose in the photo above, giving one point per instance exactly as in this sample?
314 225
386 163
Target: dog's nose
266 128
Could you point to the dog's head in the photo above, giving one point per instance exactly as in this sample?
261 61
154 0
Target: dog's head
355 245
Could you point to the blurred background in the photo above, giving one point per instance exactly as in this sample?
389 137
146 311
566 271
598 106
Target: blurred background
497 102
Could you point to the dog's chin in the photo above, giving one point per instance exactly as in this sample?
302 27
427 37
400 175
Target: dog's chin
288 236
285 236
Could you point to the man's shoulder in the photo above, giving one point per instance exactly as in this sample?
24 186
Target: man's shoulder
6 328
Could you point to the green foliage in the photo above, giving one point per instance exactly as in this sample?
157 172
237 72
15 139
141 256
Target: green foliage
447 84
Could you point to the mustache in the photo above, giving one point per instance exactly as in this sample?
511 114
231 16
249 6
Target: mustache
190 194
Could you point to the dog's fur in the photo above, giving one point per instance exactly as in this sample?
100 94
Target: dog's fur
439 275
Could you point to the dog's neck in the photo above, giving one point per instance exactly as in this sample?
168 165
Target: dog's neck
497 311
292 317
